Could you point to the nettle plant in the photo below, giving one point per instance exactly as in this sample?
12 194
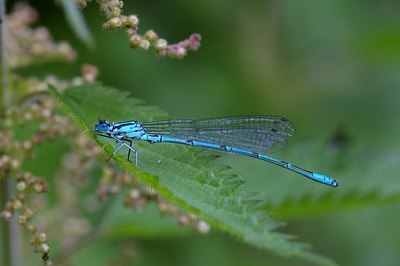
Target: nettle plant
188 184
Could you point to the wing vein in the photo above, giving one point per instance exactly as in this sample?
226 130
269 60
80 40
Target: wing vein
263 134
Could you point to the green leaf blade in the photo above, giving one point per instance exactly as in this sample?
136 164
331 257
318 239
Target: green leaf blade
189 177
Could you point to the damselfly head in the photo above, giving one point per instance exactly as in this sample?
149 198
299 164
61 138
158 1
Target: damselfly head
102 126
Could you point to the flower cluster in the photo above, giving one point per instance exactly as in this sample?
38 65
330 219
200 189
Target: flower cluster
184 219
112 9
14 152
113 183
26 45
31 105
37 109
18 204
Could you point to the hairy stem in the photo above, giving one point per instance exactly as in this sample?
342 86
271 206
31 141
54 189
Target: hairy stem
5 226
5 90
11 231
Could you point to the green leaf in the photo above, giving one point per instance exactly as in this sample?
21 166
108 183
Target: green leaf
77 21
187 176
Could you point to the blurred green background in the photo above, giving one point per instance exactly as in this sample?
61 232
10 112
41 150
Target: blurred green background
332 67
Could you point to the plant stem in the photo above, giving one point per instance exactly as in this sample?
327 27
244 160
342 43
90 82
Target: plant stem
5 90
11 231
5 226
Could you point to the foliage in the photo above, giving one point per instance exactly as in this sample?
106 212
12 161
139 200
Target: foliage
188 178
326 66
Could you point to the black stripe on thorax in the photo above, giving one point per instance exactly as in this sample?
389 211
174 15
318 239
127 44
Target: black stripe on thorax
123 124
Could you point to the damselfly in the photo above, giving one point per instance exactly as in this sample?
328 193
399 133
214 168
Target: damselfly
249 135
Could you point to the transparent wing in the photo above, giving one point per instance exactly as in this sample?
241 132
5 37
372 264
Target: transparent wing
261 134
